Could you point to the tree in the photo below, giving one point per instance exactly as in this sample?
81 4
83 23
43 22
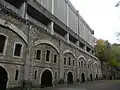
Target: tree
108 52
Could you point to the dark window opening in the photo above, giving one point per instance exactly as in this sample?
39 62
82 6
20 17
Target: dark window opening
59 30
38 55
79 64
81 45
88 49
64 61
47 55
69 61
82 64
31 11
55 58
2 43
17 51
16 75
92 52
16 3
73 62
72 39
35 75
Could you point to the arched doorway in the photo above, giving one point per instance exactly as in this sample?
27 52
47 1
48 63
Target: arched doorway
82 77
3 78
91 78
46 79
70 78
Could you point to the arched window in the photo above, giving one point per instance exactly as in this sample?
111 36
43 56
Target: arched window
16 75
17 49
2 43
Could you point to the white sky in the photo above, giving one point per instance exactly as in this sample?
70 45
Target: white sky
102 16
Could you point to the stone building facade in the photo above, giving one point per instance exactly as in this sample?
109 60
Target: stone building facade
45 42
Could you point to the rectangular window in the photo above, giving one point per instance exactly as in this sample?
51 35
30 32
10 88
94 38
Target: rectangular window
64 61
35 75
47 55
55 58
79 64
17 51
2 43
16 75
73 62
82 64
69 61
38 55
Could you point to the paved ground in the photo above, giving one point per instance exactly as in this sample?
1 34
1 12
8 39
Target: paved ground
96 85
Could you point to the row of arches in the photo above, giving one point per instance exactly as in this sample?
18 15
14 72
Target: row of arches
46 78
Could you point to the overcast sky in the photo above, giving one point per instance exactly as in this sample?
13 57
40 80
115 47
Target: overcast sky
102 16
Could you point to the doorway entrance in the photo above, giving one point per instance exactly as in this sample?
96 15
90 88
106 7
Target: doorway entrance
46 79
91 78
3 78
70 78
82 77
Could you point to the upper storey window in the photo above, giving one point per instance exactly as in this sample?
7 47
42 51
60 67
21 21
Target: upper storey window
17 49
55 58
47 55
38 55
2 43
16 3
69 61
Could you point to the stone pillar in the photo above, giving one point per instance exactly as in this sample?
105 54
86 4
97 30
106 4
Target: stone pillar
53 6
67 15
77 43
51 27
28 64
61 64
22 10
85 48
67 37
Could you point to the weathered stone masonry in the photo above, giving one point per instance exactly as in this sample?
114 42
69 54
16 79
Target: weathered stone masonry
40 44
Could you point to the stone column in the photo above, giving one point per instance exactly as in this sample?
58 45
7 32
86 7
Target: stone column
67 15
28 62
22 10
67 37
61 63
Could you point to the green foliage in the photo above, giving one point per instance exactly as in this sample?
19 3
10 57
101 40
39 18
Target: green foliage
108 52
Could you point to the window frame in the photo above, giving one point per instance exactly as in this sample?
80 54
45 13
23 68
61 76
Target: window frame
21 53
35 74
40 55
5 45
16 74
49 56
73 63
65 64
56 59
69 61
